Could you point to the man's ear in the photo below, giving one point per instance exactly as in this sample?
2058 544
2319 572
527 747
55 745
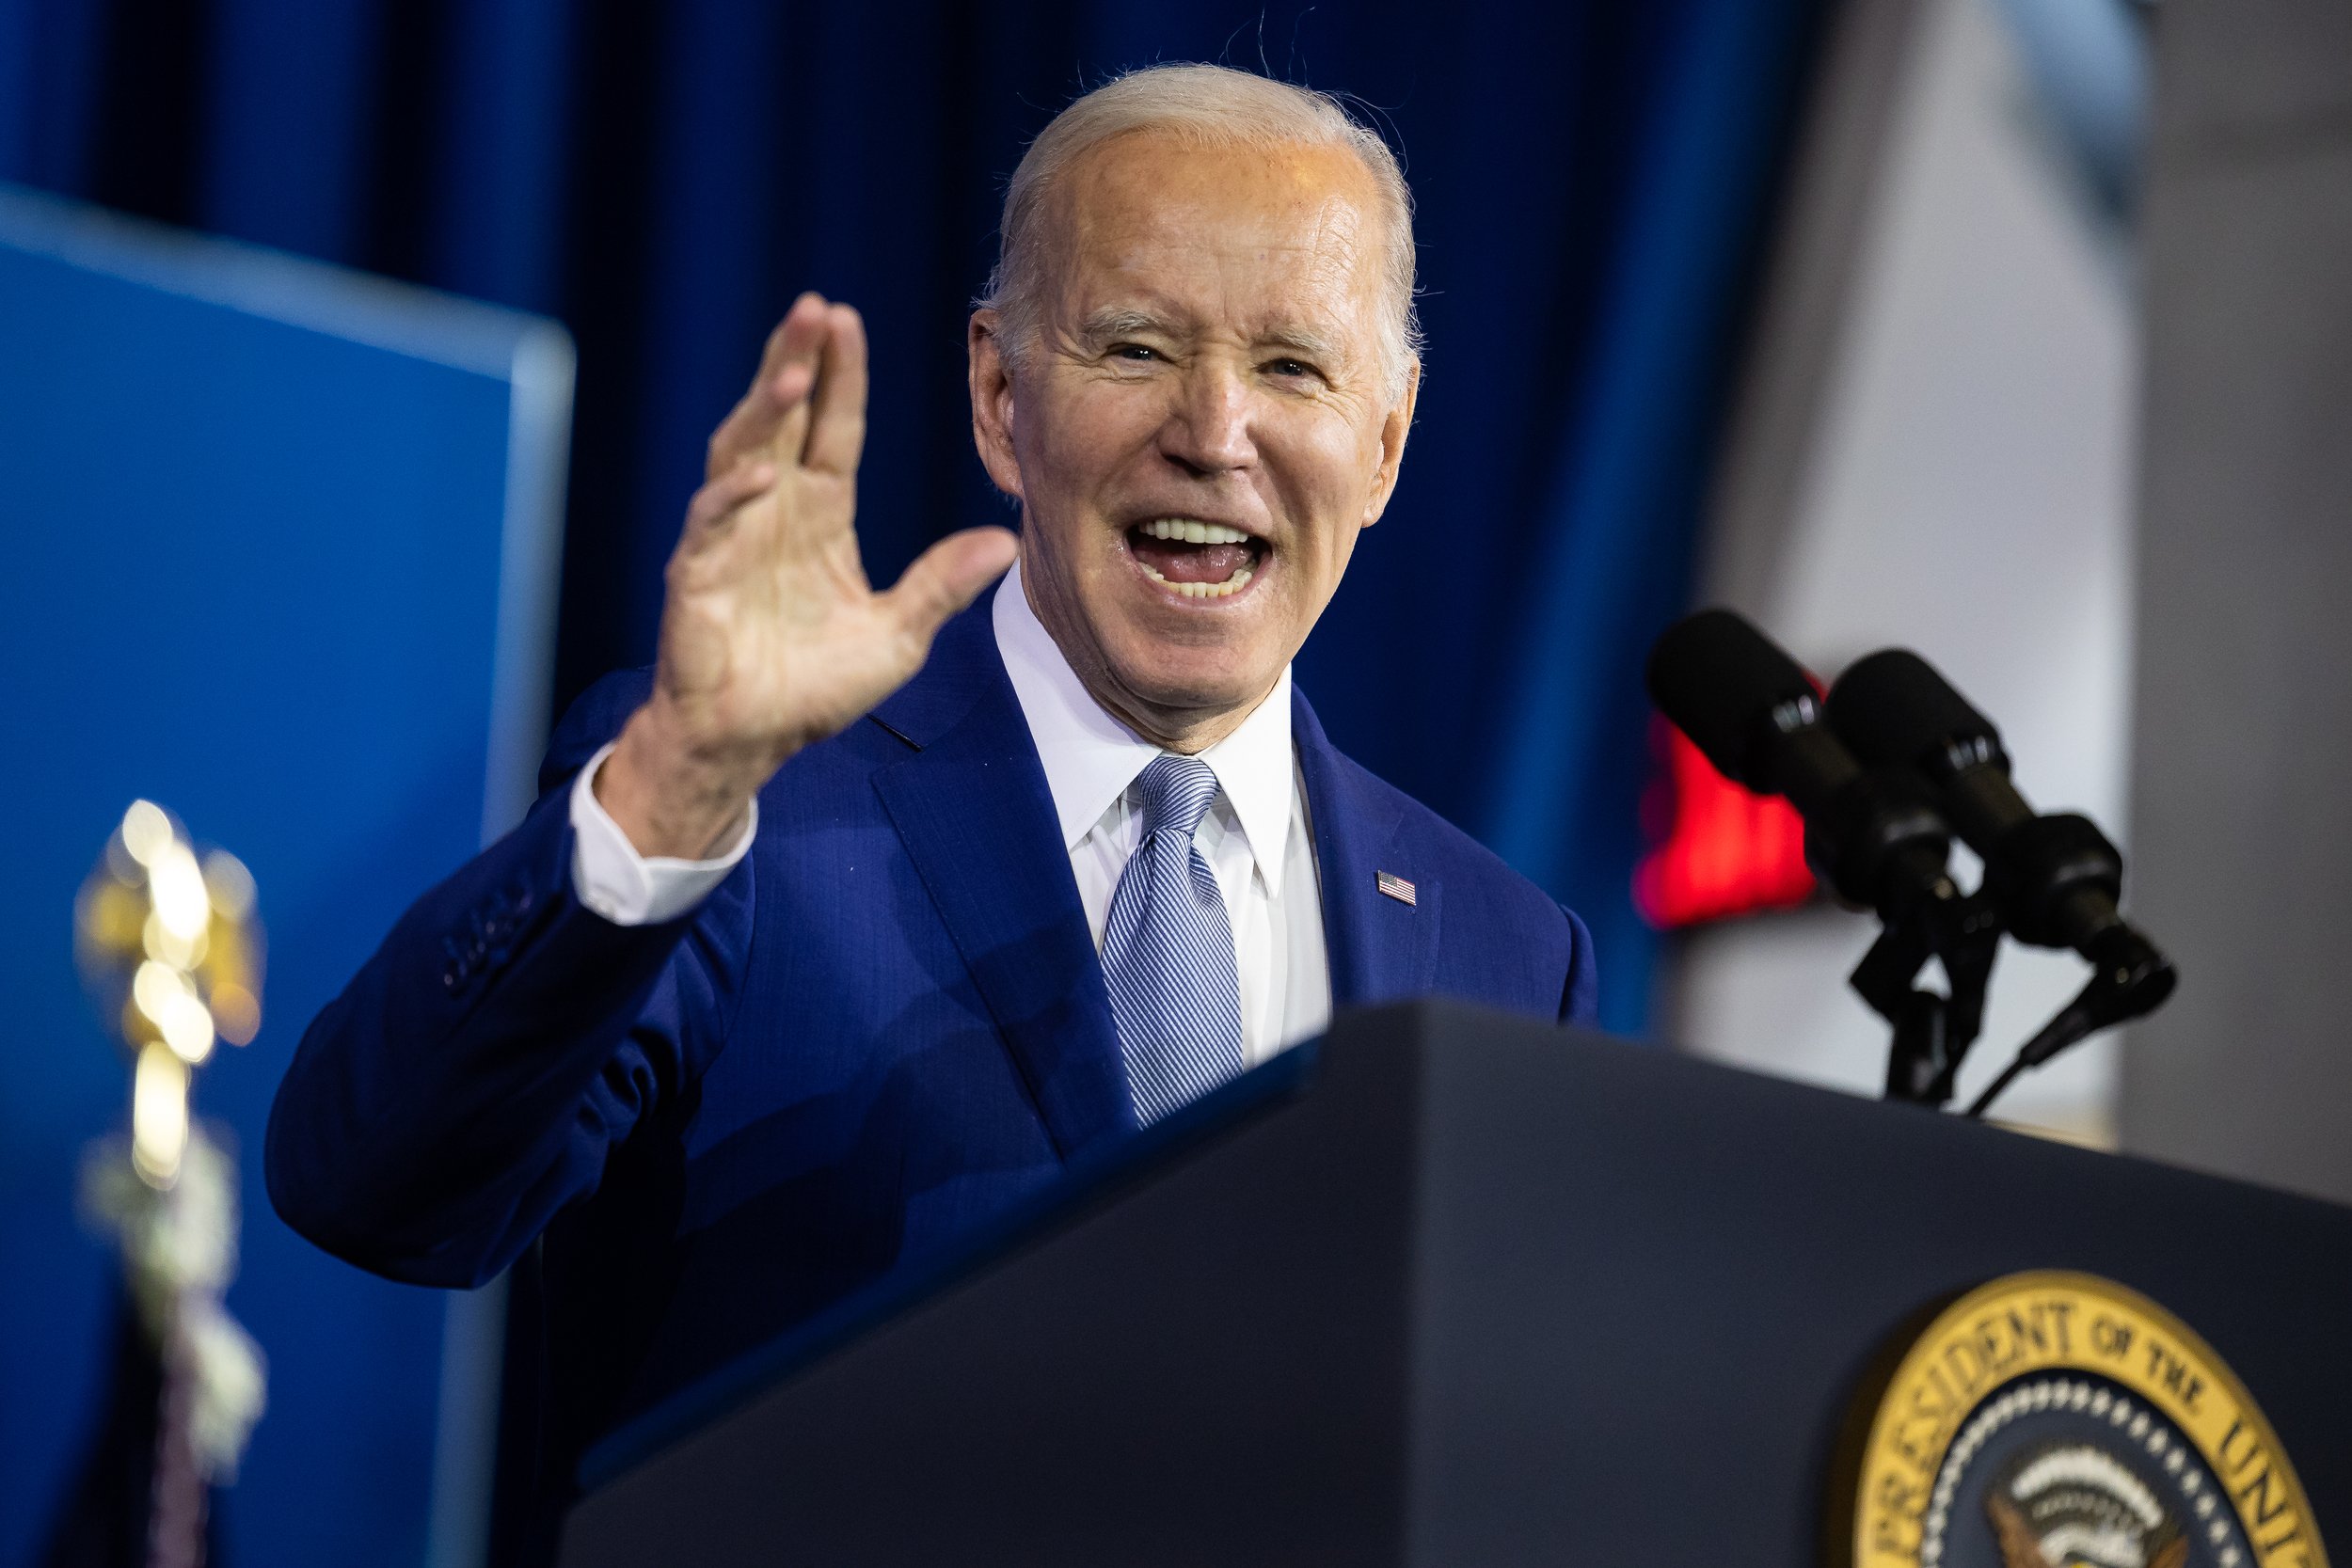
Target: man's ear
991 376
1394 428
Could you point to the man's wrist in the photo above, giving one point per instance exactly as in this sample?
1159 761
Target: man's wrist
627 888
673 801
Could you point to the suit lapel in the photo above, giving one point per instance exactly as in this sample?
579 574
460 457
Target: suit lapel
974 811
1380 947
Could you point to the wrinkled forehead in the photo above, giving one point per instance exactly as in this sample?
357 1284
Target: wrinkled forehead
1247 236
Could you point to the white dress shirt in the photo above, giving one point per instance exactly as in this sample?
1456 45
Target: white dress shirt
1256 836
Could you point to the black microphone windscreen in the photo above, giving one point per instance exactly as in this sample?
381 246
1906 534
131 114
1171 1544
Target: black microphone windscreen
1893 710
1718 679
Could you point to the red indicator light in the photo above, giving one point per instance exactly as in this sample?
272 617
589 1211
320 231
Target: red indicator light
1722 850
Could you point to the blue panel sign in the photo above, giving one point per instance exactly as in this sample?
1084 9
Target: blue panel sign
277 549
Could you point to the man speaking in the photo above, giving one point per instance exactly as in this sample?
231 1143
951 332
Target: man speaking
862 913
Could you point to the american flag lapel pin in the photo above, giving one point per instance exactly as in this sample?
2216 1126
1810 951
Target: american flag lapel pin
1396 887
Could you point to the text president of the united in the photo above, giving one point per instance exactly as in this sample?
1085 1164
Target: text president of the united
861 914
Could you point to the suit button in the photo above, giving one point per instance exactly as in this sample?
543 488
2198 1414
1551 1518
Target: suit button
452 977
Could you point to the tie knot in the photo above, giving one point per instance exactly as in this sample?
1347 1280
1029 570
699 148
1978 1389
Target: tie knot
1176 792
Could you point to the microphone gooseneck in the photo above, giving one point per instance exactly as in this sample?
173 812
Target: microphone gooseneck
2056 880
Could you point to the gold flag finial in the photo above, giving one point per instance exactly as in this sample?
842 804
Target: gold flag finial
170 946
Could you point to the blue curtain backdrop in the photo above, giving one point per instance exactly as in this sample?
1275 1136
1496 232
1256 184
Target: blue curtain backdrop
1593 178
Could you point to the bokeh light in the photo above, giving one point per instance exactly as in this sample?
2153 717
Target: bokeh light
171 951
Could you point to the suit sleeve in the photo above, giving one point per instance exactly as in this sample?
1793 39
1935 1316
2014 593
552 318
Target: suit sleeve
474 1076
1579 998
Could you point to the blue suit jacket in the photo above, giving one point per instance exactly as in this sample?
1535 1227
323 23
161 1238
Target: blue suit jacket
886 1026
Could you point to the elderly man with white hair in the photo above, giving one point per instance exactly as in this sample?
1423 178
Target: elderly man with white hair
861 914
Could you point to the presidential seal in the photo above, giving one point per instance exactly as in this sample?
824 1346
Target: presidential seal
2059 1420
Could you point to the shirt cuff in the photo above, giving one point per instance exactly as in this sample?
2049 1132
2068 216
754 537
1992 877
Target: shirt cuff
630 888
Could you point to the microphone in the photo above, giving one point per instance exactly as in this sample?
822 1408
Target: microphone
2056 878
1754 713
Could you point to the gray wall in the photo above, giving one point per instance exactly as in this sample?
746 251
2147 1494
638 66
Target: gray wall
1934 448
2242 811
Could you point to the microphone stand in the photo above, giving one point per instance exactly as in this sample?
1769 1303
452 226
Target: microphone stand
1932 1031
2129 979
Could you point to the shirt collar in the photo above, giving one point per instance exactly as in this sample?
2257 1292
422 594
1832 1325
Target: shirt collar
1090 757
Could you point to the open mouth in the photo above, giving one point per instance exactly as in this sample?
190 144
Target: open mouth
1197 560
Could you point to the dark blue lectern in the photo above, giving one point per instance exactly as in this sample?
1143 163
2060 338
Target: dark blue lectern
1455 1288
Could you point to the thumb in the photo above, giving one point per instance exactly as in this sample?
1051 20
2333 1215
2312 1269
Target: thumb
948 577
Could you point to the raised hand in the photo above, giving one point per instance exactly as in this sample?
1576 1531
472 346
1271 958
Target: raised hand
771 638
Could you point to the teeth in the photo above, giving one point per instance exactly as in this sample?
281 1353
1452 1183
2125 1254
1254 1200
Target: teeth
1230 586
1185 530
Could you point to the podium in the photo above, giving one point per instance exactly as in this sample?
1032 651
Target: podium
1450 1288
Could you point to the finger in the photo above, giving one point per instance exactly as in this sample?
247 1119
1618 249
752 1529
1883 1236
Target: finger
949 577
716 504
793 383
787 370
836 429
750 427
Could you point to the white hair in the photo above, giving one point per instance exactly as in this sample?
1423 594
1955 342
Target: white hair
1203 106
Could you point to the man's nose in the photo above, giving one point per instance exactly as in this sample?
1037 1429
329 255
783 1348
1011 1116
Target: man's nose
1208 431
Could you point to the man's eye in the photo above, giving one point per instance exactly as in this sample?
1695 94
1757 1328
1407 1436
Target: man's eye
1135 353
1289 367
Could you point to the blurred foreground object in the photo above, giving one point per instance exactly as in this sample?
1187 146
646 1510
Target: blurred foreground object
171 948
171 951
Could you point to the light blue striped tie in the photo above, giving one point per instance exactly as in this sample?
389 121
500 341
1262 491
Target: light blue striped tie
1168 950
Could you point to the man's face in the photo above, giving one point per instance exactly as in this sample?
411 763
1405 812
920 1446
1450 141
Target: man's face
1200 428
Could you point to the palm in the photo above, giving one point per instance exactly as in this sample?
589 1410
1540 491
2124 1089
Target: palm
771 632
